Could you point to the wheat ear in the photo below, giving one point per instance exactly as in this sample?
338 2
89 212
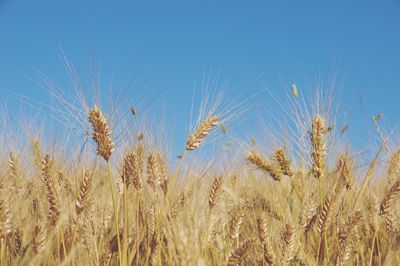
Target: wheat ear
52 195
197 137
101 133
133 167
394 167
263 164
214 191
289 238
269 254
318 152
5 221
235 225
14 172
390 197
345 178
347 228
85 193
154 246
156 169
283 161
235 258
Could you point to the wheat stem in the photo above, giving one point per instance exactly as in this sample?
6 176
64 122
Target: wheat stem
115 207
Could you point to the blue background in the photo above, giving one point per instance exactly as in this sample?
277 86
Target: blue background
173 43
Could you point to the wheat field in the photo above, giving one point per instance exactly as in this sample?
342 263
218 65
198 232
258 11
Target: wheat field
308 202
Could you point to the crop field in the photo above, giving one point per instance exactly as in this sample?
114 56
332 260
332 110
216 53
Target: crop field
304 200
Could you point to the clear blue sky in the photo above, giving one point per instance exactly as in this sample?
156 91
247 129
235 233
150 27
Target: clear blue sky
284 41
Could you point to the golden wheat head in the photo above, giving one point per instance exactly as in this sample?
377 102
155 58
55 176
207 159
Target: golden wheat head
197 137
318 152
101 133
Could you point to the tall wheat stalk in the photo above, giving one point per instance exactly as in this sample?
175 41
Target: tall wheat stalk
105 146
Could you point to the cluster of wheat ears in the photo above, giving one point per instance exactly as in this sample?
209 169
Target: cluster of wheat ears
140 210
